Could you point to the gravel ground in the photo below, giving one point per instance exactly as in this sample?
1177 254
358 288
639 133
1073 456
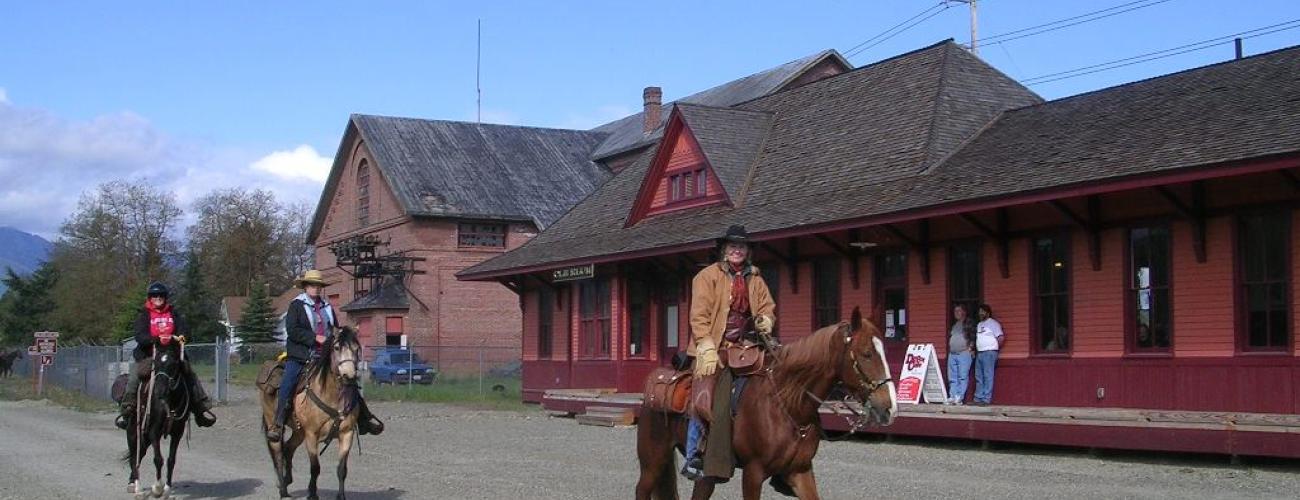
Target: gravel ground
444 452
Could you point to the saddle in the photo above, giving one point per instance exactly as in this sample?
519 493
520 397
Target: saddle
667 390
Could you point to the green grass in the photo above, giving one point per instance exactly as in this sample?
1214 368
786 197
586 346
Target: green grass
21 389
460 391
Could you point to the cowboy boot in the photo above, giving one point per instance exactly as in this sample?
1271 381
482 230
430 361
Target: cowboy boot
367 422
693 468
127 411
276 431
203 415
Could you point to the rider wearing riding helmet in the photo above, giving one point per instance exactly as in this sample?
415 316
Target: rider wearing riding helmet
308 324
156 324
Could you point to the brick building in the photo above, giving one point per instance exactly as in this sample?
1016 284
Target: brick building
1136 242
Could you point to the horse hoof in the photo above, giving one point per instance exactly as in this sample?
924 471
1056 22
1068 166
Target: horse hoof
284 493
157 490
167 492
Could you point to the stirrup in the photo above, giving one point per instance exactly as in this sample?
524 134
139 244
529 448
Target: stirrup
121 421
275 433
205 418
693 469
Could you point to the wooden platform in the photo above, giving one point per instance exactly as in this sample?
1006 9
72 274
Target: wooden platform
1256 434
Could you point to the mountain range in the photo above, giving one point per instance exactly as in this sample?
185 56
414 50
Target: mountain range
22 251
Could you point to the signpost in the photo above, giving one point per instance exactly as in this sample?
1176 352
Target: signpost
921 376
45 345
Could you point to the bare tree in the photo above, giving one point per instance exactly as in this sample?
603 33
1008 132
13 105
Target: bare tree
246 236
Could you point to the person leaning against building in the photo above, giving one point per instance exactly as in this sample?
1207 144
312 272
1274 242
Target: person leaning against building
988 342
961 351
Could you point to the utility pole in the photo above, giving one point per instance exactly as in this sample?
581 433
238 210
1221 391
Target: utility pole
478 73
974 24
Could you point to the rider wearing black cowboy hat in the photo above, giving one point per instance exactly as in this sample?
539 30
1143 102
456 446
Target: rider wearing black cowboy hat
159 324
308 323
730 302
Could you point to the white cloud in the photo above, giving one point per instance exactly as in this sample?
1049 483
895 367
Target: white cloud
302 162
4 96
48 161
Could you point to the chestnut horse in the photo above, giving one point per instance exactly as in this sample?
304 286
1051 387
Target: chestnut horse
777 427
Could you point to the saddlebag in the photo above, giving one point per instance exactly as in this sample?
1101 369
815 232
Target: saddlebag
667 390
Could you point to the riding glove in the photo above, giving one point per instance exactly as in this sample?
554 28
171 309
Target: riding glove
706 358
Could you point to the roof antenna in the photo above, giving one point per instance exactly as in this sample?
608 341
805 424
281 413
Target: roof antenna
478 71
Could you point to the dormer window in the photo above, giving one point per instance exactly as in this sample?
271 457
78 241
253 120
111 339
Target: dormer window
687 185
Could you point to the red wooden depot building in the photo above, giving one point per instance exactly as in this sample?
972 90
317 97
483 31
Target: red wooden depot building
1136 243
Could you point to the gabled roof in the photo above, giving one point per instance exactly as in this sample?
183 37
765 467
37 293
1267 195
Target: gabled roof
731 140
845 148
439 168
233 306
628 133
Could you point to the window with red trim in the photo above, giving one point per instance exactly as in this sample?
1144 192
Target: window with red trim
1148 324
687 185
826 292
891 288
593 306
1264 281
1051 306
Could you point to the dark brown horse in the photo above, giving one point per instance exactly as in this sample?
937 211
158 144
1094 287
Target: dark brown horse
326 409
7 361
777 427
163 409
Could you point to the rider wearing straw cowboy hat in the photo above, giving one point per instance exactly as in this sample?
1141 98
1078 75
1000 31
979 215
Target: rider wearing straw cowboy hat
158 324
308 323
730 302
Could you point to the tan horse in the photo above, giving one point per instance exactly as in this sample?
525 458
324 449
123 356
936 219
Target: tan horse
324 411
777 428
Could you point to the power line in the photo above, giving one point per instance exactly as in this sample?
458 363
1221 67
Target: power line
1085 18
877 40
1160 54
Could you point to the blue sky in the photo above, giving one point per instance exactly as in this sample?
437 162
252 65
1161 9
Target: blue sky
197 95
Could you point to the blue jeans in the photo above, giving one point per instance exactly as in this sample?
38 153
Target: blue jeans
292 368
694 430
958 375
985 361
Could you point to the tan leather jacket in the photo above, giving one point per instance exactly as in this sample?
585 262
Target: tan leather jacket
711 300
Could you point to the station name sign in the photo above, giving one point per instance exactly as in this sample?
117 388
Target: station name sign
574 273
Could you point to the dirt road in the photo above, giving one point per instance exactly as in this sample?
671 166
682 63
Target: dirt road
444 452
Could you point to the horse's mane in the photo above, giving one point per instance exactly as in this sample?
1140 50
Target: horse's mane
801 362
349 393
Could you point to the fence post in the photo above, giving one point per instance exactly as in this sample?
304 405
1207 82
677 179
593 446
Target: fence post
480 371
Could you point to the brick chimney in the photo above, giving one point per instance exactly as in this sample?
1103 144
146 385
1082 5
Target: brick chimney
653 108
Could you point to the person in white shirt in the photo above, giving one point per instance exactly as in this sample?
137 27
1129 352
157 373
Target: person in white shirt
988 341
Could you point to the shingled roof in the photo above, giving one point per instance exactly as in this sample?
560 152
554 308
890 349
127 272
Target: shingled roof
628 133
831 143
440 168
731 140
985 138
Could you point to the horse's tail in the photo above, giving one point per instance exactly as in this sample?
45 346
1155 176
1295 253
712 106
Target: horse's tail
655 442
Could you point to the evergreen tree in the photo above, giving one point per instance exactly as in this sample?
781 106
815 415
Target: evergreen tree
27 305
258 322
195 303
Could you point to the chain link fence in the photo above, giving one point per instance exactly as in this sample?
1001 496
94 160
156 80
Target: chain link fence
91 370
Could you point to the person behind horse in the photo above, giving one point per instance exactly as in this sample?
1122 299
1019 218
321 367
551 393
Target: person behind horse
729 300
158 324
308 323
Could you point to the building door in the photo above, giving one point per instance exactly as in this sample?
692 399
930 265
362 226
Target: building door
670 319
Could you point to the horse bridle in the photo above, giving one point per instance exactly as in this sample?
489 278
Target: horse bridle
856 419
